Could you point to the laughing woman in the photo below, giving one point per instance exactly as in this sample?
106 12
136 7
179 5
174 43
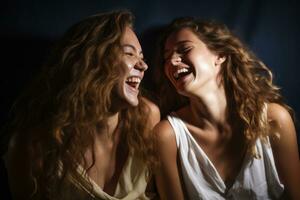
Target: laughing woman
230 136
81 131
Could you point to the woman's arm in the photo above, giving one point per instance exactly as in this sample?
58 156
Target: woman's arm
18 169
167 175
285 148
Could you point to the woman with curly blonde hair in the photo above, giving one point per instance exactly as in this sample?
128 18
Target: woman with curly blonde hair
230 136
81 130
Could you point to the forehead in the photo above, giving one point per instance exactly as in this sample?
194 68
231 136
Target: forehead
130 38
182 35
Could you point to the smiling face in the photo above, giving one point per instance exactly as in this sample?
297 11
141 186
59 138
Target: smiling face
189 64
134 67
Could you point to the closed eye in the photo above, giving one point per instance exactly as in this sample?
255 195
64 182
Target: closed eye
129 54
133 55
181 50
184 49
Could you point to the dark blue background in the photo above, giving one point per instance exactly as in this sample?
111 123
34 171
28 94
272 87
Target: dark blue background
28 28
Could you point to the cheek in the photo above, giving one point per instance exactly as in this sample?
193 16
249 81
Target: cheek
127 66
202 64
192 58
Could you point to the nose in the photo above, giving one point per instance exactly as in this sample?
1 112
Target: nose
141 65
175 59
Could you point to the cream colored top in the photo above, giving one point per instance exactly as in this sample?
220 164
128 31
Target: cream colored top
131 184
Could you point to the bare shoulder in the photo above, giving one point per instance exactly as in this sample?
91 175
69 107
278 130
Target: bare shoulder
278 113
280 119
282 129
164 132
154 112
15 152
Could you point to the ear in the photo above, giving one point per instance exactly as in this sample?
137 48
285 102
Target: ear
220 60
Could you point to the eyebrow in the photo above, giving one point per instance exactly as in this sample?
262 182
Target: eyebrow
132 47
176 44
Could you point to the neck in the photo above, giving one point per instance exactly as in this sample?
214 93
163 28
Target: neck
107 130
209 105
112 124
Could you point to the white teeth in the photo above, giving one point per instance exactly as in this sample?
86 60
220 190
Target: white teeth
133 80
182 70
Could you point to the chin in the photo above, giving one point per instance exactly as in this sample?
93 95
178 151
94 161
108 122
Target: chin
122 98
131 100
134 103
130 95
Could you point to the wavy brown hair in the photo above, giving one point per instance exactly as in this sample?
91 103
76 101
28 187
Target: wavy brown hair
247 81
57 115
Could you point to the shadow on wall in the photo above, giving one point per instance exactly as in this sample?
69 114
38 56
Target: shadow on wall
22 57
149 42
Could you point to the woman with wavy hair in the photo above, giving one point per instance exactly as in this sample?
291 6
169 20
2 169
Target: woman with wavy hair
230 136
81 130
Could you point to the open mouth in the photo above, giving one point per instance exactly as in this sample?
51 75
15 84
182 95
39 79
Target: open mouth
180 73
133 82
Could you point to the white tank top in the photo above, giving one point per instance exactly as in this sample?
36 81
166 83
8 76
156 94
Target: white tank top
258 178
